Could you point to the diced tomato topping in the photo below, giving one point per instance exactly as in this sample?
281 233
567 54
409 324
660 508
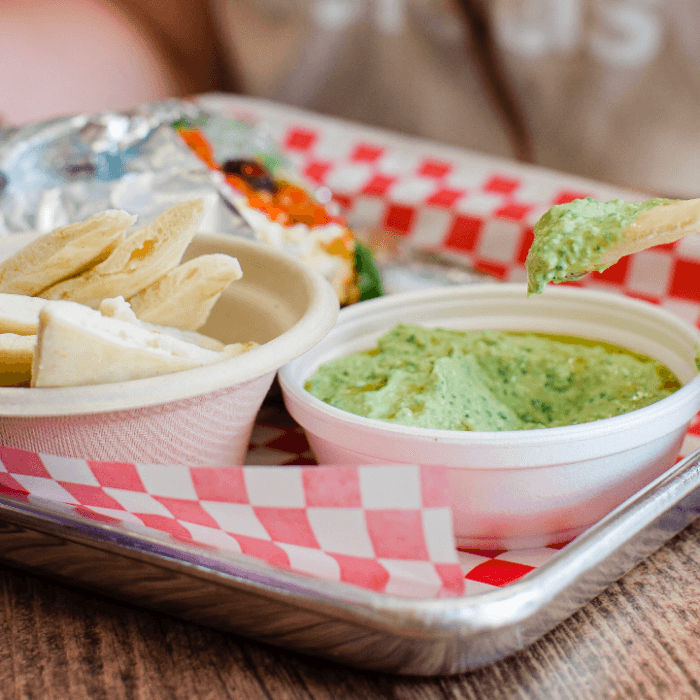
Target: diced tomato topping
288 204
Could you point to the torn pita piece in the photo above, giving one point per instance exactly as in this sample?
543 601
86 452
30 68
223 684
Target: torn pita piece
586 235
16 358
138 261
183 297
63 253
19 314
76 345
119 308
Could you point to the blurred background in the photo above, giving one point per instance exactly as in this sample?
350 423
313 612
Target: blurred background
608 89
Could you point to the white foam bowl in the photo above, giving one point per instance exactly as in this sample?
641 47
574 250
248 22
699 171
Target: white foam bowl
201 416
513 489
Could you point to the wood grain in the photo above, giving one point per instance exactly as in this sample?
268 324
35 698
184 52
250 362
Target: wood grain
639 639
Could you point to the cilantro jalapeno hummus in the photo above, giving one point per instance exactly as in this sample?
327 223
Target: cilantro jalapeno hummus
490 380
572 239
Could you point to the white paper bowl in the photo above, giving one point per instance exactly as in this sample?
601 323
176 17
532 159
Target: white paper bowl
513 489
201 416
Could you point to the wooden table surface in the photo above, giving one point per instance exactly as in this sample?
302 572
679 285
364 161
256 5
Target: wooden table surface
639 639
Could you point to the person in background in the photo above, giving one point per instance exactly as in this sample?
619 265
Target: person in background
607 89
61 57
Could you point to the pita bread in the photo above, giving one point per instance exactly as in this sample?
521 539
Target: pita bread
662 224
138 261
76 345
184 297
16 358
119 308
235 349
665 222
19 314
64 252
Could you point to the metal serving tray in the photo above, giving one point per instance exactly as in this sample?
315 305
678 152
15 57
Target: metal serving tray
339 621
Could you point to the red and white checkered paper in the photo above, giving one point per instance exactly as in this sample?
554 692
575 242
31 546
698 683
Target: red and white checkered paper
349 524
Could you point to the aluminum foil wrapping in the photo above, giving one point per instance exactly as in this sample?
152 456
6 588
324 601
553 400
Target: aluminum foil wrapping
64 170
56 172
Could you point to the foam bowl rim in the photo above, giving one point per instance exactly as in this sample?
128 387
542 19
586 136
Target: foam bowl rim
689 393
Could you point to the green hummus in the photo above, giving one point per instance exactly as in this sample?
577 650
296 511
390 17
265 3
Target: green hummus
490 380
570 239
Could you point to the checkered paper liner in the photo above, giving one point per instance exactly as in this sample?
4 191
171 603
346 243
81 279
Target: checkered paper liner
349 524
279 508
